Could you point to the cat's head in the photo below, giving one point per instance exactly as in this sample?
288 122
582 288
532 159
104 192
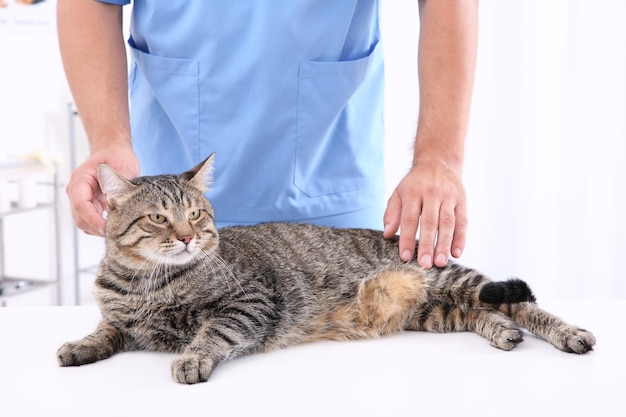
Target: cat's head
163 219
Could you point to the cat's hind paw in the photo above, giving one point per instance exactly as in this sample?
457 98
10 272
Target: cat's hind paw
574 340
506 338
192 368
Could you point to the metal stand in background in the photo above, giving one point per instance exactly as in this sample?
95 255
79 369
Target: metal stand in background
11 286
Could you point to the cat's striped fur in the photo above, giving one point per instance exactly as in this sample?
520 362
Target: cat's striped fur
170 282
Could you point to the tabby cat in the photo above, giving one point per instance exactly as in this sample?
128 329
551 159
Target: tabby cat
171 282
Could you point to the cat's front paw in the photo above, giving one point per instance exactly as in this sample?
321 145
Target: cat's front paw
192 368
574 340
80 353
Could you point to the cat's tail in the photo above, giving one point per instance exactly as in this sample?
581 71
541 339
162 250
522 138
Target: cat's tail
506 292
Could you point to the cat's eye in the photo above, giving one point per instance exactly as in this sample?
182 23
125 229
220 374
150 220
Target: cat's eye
194 215
157 218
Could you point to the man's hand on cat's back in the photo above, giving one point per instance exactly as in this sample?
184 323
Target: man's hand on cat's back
83 190
432 197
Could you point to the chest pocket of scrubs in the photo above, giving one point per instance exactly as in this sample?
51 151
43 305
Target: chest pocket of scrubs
338 110
166 94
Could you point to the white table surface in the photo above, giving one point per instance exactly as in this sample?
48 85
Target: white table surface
414 373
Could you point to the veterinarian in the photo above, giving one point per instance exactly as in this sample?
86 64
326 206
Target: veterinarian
289 94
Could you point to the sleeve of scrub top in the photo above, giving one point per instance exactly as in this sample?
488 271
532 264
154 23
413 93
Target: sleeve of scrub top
118 2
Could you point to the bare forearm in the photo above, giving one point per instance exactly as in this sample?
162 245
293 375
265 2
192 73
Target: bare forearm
94 58
446 65
431 196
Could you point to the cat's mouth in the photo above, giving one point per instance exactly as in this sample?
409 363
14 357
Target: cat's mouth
174 254
181 256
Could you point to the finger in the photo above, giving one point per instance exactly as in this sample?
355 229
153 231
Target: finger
391 218
460 231
445 234
409 222
90 220
86 215
429 222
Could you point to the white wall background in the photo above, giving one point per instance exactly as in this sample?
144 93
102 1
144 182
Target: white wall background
544 175
544 171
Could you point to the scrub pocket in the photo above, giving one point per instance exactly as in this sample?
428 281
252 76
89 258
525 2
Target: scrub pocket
166 92
334 145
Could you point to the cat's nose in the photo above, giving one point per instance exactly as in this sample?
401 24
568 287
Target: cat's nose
185 239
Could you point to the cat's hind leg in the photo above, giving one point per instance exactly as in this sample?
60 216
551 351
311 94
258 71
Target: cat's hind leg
443 317
388 299
546 326
382 304
101 344
501 331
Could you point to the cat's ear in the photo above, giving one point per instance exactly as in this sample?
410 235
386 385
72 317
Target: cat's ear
201 176
113 185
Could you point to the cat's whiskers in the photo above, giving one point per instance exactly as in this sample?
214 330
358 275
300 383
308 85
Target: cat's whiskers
139 272
150 280
225 265
219 269
215 270
167 272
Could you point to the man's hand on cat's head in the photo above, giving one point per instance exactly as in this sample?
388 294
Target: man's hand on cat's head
86 199
431 196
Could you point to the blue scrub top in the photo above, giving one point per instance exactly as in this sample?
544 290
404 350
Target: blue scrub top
289 94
